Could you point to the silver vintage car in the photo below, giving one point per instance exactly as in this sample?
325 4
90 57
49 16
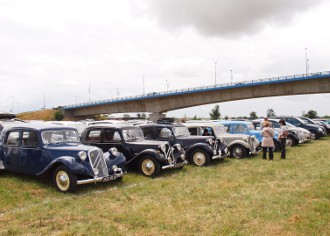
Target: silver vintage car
239 145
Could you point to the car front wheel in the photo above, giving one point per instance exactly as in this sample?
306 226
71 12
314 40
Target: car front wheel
200 158
238 151
289 141
149 167
64 180
314 135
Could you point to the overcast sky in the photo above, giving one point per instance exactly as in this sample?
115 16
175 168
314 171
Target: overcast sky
61 52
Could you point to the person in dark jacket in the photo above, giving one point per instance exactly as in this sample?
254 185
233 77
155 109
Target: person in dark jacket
282 134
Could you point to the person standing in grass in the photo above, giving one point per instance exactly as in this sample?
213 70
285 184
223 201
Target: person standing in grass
282 134
267 141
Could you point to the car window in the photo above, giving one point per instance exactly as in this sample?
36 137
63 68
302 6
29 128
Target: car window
29 139
275 124
238 128
13 138
192 130
94 136
148 132
111 136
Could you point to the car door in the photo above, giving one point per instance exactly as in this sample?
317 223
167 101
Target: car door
11 151
31 154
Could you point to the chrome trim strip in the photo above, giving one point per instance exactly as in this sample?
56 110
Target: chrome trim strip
176 165
99 179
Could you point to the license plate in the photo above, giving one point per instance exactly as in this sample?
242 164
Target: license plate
108 178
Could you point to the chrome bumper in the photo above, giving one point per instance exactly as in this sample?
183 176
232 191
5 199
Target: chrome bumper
101 179
176 165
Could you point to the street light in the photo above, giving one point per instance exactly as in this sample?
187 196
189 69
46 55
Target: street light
89 93
231 76
167 85
117 93
215 73
44 101
306 61
143 83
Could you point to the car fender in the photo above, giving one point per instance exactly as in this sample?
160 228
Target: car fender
74 165
119 160
240 142
147 152
203 146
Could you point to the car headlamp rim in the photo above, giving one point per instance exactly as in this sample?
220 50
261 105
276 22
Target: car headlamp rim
82 155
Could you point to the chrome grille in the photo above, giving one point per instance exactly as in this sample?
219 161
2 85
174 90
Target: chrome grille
169 153
97 161
251 143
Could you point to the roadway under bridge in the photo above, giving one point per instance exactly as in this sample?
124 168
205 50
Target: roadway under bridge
158 103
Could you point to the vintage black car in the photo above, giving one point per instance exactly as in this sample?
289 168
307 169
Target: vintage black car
46 149
199 149
150 157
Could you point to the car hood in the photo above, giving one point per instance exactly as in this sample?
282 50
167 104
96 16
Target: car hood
139 146
66 149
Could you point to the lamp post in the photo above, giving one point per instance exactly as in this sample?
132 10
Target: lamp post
231 76
167 85
215 73
89 93
143 84
306 61
117 93
44 101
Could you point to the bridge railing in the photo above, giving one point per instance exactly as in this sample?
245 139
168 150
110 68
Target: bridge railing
201 88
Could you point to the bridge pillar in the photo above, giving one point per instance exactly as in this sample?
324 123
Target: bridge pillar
156 116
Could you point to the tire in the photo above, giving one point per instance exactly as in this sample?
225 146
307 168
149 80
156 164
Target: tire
64 180
314 135
149 167
199 157
238 151
290 141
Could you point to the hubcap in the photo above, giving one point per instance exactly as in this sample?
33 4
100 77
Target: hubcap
289 142
62 180
199 158
148 167
238 152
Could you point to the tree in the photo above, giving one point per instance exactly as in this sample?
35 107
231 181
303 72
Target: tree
58 115
215 113
271 112
253 115
311 114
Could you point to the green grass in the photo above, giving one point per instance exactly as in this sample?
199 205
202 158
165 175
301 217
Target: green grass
233 197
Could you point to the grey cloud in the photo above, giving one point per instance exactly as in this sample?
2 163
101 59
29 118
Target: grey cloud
226 17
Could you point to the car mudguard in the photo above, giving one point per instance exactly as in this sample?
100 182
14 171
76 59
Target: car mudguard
240 142
203 146
76 166
150 152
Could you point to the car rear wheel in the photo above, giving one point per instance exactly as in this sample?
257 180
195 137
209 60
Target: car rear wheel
238 151
64 180
149 167
200 158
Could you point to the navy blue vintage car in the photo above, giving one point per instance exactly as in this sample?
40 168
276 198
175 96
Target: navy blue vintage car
149 157
43 149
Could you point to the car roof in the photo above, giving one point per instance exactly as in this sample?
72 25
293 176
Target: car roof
116 126
232 122
199 124
37 126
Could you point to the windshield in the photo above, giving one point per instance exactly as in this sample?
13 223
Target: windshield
251 126
181 131
59 136
219 129
133 134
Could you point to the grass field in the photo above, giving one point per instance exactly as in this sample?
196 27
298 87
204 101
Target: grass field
233 197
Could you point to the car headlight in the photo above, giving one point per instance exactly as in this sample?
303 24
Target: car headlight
82 155
319 129
113 151
210 141
177 146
